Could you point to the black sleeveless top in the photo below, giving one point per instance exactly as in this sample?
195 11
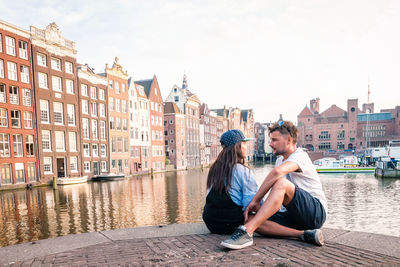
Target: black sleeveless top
221 215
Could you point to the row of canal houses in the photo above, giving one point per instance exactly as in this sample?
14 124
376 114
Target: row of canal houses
59 118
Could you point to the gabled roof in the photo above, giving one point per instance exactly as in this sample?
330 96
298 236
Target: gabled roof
333 111
171 107
306 112
146 85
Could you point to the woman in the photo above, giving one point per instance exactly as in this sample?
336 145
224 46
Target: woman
231 186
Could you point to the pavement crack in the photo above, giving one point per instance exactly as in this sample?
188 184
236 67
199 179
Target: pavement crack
101 232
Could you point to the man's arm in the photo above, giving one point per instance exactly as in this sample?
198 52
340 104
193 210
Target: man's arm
273 176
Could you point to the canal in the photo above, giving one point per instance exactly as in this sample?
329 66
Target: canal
357 202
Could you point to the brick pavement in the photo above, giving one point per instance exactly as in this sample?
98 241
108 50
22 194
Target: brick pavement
204 250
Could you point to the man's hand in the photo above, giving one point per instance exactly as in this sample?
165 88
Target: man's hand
251 209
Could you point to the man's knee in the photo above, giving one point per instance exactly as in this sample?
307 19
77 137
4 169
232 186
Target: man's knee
283 184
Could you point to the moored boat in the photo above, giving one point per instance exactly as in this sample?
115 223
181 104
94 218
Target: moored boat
71 180
108 177
347 164
387 168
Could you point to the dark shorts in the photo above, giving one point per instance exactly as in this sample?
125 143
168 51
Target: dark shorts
304 212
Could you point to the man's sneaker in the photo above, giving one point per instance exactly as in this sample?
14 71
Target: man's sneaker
313 236
239 239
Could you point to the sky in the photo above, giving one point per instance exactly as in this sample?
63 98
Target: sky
271 56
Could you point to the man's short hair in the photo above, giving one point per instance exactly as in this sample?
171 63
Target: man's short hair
284 127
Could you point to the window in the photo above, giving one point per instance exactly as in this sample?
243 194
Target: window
43 82
44 111
31 171
112 123
72 141
103 166
28 120
23 49
110 84
3 117
1 43
93 107
117 87
71 114
55 64
41 60
10 46
102 109
117 105
69 67
124 109
84 90
58 113
94 129
69 85
26 97
123 87
95 150
19 172
86 166
15 119
6 174
103 130
113 144
4 145
73 163
86 150
57 83
93 92
111 103
14 95
24 72
60 141
47 165
102 95
12 71
118 123
85 127
46 141
1 68
29 146
17 144
125 124
103 150
85 107
3 94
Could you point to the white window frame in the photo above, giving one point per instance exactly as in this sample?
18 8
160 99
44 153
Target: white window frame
46 141
85 107
86 166
24 73
48 165
55 63
95 150
69 86
73 164
13 94
3 117
86 150
84 90
104 166
29 146
102 109
44 111
10 46
1 67
71 115
95 134
43 80
72 142
12 71
60 141
18 145
102 94
4 145
28 120
69 67
58 113
15 118
103 133
93 92
26 97
56 83
41 59
103 150
85 128
93 108
23 49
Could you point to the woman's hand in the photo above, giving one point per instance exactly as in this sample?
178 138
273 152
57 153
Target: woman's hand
251 209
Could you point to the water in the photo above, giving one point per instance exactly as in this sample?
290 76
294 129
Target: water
358 202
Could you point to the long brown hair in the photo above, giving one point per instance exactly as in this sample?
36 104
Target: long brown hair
220 174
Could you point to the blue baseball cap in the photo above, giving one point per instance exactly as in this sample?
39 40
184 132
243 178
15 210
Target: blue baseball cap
231 137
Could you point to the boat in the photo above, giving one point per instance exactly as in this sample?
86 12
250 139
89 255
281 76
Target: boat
71 180
387 168
348 164
108 177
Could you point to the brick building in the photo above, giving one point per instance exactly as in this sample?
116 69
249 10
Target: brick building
18 147
134 143
153 93
174 134
353 129
118 111
94 122
57 102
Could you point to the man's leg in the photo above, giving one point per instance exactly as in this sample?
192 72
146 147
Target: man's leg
282 192
270 228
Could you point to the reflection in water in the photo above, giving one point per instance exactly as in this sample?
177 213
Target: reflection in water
356 202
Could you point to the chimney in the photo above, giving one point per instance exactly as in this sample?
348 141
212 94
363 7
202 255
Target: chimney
314 105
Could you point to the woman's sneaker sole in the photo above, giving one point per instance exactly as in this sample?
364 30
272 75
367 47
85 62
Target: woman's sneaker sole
232 246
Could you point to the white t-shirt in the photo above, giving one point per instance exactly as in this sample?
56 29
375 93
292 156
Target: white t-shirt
307 179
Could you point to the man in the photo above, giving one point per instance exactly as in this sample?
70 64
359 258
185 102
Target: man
296 205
